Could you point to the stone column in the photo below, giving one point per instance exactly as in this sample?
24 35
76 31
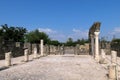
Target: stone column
59 49
26 55
112 72
8 59
41 48
35 52
113 57
92 45
103 56
45 50
97 46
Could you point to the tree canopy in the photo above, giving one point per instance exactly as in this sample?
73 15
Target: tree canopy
35 37
54 42
12 33
115 44
70 42
20 34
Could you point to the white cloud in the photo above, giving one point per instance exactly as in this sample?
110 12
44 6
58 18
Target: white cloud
76 30
53 34
63 36
78 34
117 30
46 30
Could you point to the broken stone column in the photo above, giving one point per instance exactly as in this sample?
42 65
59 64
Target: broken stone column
41 48
75 52
113 57
77 49
114 69
8 59
59 49
62 50
103 56
26 55
47 50
35 52
96 46
112 72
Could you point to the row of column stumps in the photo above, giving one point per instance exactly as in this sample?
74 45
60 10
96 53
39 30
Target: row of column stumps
26 55
112 68
35 54
94 51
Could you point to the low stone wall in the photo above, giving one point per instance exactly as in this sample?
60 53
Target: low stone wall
15 47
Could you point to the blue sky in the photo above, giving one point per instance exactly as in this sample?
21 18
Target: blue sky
63 18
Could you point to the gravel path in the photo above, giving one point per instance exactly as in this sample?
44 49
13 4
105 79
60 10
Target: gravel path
57 67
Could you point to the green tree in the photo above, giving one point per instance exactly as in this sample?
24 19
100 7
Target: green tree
82 41
115 44
12 33
35 37
69 42
54 42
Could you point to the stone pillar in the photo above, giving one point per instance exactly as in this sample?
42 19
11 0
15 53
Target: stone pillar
26 55
97 46
112 72
41 48
92 45
35 52
47 50
75 52
59 49
8 59
103 56
113 57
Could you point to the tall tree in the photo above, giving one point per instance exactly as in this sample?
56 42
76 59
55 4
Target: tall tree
70 42
12 33
54 42
35 37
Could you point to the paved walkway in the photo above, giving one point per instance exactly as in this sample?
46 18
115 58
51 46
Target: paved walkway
57 67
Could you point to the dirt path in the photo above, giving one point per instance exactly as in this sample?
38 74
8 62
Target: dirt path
57 67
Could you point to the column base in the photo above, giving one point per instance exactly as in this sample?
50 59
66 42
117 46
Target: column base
97 59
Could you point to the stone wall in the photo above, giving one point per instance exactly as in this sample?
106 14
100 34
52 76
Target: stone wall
15 47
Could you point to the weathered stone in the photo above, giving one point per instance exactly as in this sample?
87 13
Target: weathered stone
41 48
92 45
113 57
94 28
35 52
97 46
112 72
8 59
103 56
26 55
